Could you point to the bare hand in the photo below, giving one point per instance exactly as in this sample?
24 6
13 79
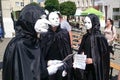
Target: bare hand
89 61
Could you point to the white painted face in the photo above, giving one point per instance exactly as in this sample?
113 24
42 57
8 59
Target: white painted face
88 23
54 19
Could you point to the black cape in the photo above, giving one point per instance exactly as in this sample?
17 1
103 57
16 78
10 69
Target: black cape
95 46
56 46
22 58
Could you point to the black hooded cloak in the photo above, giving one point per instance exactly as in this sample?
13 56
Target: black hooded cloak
95 46
56 46
22 58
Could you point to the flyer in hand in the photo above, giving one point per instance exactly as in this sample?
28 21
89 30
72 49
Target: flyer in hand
79 61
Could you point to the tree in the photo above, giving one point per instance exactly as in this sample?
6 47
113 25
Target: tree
34 3
52 5
68 8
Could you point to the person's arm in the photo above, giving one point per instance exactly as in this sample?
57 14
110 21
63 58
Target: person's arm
71 39
68 26
114 33
119 75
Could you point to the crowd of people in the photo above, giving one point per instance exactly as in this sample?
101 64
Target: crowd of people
41 45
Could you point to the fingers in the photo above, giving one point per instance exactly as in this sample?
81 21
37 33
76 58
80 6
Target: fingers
89 61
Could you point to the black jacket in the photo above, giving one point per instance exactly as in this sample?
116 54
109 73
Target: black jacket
95 46
22 58
56 46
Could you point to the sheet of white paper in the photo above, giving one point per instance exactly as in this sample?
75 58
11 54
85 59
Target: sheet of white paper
79 61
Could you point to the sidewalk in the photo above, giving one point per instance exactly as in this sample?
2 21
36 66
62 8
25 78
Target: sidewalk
3 46
2 49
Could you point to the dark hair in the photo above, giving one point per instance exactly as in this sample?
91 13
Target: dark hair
60 15
111 21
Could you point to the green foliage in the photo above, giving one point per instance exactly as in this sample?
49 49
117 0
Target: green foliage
68 8
34 3
52 5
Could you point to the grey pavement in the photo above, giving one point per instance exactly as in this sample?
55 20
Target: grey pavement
2 49
3 46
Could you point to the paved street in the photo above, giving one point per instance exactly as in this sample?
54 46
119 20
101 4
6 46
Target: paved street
117 54
2 49
3 46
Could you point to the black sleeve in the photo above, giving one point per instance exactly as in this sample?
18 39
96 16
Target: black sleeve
43 67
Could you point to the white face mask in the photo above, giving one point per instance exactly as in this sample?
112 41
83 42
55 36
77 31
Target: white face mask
41 25
54 19
88 23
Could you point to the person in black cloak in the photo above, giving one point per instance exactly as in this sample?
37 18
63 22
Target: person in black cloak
23 59
95 46
56 46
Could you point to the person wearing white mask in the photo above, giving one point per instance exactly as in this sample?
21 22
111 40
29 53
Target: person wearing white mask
88 23
23 59
95 46
56 46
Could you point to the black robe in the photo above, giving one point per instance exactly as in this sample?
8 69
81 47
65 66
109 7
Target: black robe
100 55
56 46
22 58
95 46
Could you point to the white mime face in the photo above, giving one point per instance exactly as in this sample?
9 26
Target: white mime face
88 23
54 19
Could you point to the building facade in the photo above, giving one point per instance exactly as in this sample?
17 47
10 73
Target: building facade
82 4
111 8
7 7
19 4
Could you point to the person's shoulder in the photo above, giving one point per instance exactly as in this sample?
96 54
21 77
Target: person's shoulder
64 22
63 30
85 36
13 43
100 36
16 42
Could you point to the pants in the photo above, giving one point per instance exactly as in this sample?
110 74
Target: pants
111 50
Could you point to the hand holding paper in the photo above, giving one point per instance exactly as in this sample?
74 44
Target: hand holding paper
79 61
89 61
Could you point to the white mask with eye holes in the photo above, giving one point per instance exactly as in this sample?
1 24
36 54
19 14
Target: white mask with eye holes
54 19
88 23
